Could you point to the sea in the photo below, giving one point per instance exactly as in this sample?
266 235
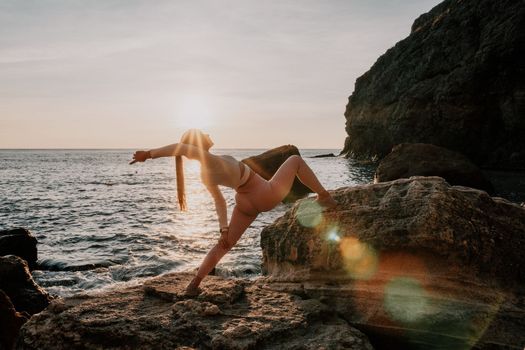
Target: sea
100 222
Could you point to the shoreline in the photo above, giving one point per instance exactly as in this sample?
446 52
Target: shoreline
437 299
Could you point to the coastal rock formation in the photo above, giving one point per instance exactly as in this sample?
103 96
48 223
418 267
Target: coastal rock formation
17 283
412 261
19 242
457 81
419 159
267 163
11 321
228 314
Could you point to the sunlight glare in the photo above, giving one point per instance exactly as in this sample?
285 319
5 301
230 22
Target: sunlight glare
194 111
405 299
360 259
333 235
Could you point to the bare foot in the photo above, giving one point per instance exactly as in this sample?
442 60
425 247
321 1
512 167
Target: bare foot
192 291
325 200
193 288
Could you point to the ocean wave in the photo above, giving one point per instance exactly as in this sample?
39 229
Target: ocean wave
129 272
58 265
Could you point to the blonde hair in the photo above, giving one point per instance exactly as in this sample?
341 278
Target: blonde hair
194 137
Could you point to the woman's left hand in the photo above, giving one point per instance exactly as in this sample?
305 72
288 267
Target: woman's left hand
140 156
223 240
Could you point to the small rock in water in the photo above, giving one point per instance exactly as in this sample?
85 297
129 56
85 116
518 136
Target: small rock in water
19 242
327 155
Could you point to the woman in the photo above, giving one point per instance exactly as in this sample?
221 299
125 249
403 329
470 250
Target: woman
254 194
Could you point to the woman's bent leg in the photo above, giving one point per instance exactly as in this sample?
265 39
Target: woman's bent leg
238 224
282 180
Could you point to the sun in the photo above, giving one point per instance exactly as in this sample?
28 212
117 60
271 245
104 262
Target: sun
193 111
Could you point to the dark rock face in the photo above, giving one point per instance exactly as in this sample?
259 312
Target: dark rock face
457 81
419 159
19 242
414 261
11 321
267 163
228 314
17 283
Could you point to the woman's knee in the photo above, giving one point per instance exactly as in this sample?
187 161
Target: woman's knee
295 159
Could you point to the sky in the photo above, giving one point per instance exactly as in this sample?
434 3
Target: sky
137 74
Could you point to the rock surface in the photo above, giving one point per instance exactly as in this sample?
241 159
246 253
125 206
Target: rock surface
19 242
420 159
17 283
457 81
229 314
267 163
414 261
11 321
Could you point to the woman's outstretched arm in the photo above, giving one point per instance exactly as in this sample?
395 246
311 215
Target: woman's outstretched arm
220 205
175 149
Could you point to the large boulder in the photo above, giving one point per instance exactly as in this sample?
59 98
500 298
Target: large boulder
229 314
413 262
420 159
457 81
267 163
11 321
17 283
19 242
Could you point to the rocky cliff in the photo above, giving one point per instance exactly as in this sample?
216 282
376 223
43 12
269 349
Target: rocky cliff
457 81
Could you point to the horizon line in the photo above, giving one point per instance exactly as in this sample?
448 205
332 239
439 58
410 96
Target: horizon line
133 148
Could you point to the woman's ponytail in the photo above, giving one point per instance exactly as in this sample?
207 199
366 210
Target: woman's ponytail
181 193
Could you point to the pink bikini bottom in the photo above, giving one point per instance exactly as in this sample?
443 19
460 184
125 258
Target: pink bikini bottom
255 195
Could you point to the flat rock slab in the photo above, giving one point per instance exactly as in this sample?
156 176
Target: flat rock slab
219 291
430 312
228 314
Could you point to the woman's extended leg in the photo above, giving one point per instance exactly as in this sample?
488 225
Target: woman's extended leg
282 180
238 224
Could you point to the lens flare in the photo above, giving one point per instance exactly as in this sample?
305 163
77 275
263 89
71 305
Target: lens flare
360 259
309 213
405 299
333 236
